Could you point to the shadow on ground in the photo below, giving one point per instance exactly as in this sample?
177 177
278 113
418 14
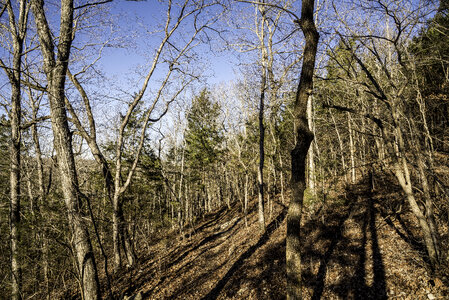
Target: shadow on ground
343 255
341 252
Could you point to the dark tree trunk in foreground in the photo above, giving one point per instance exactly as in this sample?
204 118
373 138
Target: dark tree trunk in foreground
263 87
299 153
55 70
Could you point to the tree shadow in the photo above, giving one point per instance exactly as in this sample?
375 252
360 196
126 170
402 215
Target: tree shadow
176 256
215 292
210 220
343 258
393 213
204 241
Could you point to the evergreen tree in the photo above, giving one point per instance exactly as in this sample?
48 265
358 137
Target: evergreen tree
431 51
203 136
203 139
431 54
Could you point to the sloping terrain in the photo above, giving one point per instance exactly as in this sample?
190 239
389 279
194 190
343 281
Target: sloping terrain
354 248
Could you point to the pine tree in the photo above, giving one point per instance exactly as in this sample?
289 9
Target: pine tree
203 140
430 50
203 136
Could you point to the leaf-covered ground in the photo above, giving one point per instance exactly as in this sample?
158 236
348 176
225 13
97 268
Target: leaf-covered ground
357 245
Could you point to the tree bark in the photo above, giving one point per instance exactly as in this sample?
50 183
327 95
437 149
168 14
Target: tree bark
351 148
304 138
55 70
429 212
14 150
116 235
263 87
402 172
261 156
18 32
311 173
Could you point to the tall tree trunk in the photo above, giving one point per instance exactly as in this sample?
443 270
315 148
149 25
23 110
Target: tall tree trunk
42 194
246 198
55 70
18 32
429 212
263 87
281 179
402 172
299 153
14 182
40 201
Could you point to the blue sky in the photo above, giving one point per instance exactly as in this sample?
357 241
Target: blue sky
132 17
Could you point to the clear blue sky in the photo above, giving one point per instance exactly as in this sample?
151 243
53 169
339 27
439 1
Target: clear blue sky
131 18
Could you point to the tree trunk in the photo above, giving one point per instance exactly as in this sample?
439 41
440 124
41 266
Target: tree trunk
281 165
246 198
14 182
129 246
14 150
121 238
41 234
429 207
402 172
340 143
18 32
351 148
299 153
116 235
403 176
263 86
55 70
311 173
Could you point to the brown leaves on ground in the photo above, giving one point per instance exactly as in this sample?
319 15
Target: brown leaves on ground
356 247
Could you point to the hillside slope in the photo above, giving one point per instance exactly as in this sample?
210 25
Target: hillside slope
353 249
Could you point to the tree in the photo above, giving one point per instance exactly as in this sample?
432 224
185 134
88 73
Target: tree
277 56
394 104
18 31
5 133
175 56
261 32
203 140
55 68
172 55
299 153
430 56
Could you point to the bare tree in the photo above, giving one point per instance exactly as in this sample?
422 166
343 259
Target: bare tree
263 87
388 80
17 29
187 10
273 44
166 53
299 153
55 68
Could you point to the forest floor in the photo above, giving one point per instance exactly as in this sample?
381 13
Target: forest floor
357 245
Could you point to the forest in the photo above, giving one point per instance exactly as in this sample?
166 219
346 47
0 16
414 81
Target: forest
224 149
